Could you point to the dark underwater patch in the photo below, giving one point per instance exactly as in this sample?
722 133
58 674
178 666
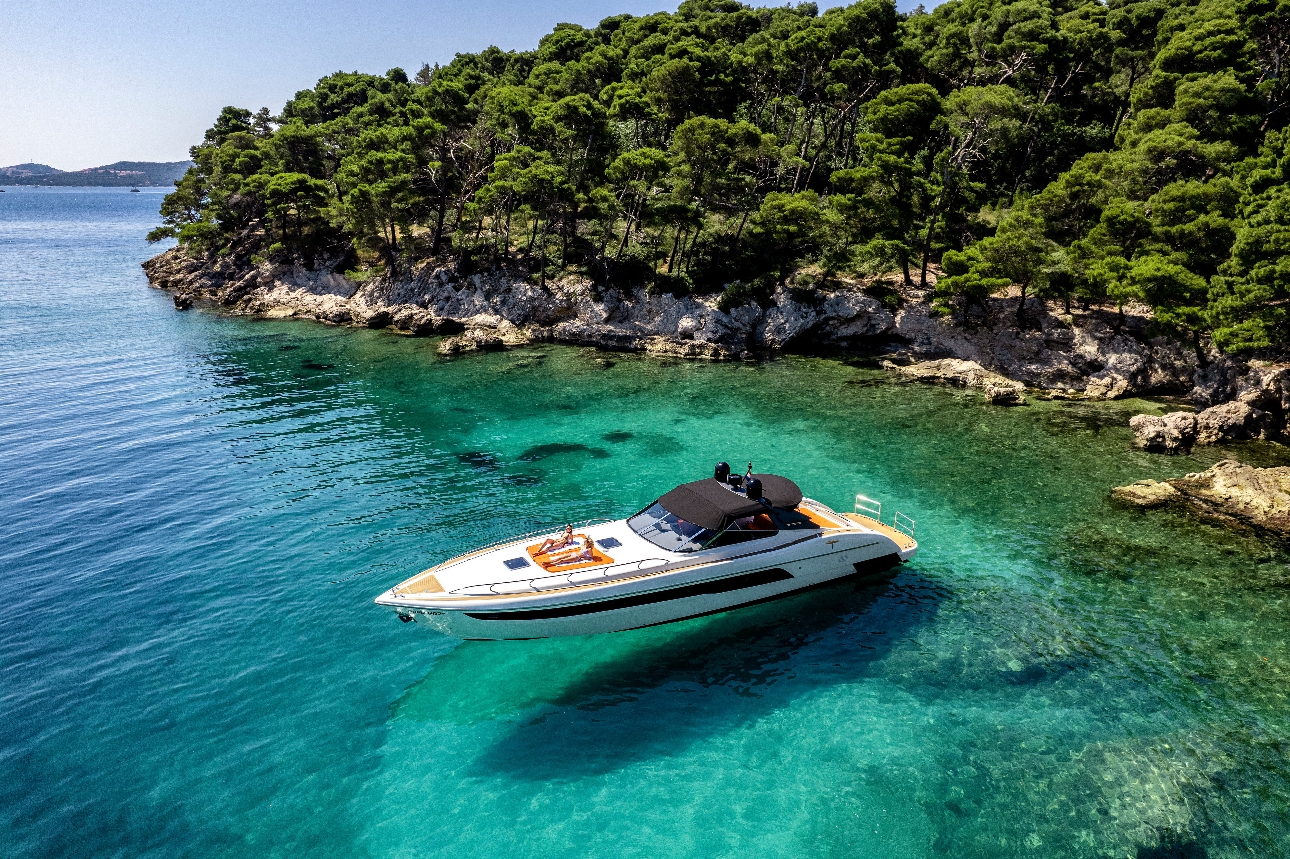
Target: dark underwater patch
618 437
313 365
479 460
542 451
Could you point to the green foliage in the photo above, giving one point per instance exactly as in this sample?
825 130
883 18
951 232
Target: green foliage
1018 253
968 275
739 293
1135 147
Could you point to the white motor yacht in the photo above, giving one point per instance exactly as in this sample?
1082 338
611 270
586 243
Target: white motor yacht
705 547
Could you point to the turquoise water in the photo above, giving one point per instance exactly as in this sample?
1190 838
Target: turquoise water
199 510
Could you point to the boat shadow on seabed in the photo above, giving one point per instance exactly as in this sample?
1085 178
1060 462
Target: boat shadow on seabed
651 693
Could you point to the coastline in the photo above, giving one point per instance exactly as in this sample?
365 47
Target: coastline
1094 354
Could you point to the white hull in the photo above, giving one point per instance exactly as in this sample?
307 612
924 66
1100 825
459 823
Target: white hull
642 591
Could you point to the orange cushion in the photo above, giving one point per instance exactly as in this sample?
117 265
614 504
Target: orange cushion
551 560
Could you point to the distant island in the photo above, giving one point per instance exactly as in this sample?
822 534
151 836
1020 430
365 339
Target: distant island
120 174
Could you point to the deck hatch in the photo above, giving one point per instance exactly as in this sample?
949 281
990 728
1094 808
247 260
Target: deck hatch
718 586
516 563
608 543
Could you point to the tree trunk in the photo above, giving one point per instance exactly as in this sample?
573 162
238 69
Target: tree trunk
676 243
1201 358
537 221
545 232
438 227
626 232
506 240
927 244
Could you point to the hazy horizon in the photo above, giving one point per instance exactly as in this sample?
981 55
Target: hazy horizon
125 80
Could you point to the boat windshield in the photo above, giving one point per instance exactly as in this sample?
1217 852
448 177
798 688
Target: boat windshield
669 531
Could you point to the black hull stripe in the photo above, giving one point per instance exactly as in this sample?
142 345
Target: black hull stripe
718 586
864 570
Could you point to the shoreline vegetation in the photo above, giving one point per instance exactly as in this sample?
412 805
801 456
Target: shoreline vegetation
1082 198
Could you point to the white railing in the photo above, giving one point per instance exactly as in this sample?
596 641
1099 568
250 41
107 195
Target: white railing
903 523
866 506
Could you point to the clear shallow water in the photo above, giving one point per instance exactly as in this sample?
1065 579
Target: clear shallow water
199 510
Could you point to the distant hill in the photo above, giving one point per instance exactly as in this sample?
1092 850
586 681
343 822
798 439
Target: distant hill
28 169
120 174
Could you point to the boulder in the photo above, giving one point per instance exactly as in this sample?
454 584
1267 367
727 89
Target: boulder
668 347
1230 422
1171 433
1004 395
1216 382
1107 386
1228 492
472 340
951 371
1254 496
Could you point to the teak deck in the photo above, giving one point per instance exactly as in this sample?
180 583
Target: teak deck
903 540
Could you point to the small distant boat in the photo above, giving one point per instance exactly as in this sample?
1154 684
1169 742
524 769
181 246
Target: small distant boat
705 547
134 190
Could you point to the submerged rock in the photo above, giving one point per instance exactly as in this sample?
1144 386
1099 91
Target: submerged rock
1145 494
1228 492
667 347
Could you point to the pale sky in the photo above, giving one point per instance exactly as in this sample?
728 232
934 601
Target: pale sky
88 83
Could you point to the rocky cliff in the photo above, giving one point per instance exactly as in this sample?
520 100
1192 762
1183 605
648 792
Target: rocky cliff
1088 353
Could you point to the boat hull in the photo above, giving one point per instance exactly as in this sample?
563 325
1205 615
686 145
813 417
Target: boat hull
667 598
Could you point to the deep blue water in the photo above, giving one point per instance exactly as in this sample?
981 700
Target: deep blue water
198 511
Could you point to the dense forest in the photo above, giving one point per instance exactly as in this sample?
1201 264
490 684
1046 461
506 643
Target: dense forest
1083 151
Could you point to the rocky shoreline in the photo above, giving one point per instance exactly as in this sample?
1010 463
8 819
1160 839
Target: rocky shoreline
1094 354
1082 355
1251 402
1228 493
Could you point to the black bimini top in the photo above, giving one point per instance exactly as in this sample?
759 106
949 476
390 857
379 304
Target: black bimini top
710 504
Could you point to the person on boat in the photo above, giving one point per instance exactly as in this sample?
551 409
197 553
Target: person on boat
588 552
585 554
553 543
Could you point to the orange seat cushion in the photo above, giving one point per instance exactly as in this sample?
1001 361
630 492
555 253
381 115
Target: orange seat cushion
563 560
